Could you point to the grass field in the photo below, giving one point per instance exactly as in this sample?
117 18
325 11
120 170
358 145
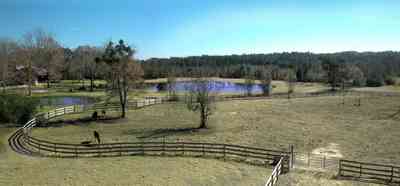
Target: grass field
16 169
362 133
365 133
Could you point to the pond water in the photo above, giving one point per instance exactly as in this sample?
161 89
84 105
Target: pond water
217 86
65 100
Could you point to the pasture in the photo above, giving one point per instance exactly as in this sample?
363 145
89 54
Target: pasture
320 125
364 133
132 170
317 125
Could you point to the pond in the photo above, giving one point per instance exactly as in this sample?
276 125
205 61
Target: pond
65 100
217 86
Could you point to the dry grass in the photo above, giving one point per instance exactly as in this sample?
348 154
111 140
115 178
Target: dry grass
362 133
306 178
16 169
366 133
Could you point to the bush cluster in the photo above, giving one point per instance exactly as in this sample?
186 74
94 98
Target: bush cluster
17 109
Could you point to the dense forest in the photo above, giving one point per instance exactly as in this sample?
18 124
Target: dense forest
372 67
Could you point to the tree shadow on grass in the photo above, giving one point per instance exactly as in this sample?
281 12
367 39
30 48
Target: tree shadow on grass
395 115
80 121
159 133
391 116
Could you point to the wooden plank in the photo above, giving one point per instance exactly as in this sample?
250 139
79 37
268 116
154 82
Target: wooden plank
372 164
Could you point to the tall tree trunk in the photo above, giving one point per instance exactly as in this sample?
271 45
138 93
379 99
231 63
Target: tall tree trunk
30 78
83 82
122 96
4 87
91 83
123 110
48 80
203 118
5 70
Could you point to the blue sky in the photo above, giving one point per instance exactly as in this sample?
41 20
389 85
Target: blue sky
167 28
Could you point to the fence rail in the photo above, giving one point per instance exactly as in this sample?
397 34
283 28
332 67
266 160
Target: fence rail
41 147
369 171
275 174
315 161
218 150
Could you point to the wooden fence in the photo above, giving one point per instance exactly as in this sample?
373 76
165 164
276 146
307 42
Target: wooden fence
275 174
315 161
218 150
225 151
371 172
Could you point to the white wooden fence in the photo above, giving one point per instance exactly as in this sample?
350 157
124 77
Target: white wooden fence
275 174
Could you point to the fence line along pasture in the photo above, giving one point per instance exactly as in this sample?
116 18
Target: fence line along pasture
315 161
372 172
275 173
41 147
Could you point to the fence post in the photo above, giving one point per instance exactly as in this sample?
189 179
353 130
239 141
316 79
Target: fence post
391 175
183 148
55 149
204 153
324 162
224 152
340 167
308 159
142 145
120 149
163 152
291 164
360 169
76 151
100 150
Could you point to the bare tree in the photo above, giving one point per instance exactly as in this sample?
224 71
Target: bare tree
201 95
349 75
123 72
85 60
266 81
332 72
291 82
50 56
26 56
171 83
8 50
40 49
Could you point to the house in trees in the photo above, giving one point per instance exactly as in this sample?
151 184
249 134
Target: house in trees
39 75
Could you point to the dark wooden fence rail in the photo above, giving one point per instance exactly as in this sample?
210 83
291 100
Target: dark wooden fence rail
218 150
369 171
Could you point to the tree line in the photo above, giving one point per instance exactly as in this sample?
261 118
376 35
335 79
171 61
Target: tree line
366 68
39 56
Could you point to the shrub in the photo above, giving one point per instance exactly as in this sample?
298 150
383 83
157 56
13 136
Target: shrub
16 109
375 82
390 80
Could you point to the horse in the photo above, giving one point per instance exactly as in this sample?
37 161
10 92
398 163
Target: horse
97 136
